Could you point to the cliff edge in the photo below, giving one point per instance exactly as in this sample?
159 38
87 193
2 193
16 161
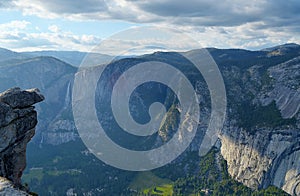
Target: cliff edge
18 119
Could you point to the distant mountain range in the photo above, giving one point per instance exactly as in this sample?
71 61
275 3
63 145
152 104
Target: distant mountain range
260 139
72 57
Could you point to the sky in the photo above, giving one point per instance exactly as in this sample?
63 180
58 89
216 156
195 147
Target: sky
33 25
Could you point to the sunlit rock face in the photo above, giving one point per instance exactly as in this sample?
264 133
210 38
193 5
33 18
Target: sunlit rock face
270 157
8 188
285 88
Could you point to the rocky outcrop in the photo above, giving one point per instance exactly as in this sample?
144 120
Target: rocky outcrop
17 126
54 78
8 188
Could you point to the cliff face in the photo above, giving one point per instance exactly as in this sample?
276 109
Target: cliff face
269 155
263 159
17 126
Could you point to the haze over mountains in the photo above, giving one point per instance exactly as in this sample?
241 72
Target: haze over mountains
260 140
72 57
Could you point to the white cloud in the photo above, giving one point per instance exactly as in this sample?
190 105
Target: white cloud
15 35
54 28
228 23
14 25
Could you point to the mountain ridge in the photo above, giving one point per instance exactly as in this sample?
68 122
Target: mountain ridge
75 57
254 79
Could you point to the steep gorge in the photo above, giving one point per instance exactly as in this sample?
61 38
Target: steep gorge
260 139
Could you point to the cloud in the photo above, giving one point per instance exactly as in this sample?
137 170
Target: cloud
14 25
195 12
5 4
141 40
72 6
83 10
247 36
54 8
231 22
54 28
227 13
23 36
192 12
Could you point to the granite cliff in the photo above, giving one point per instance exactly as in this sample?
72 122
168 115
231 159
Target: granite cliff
267 150
18 119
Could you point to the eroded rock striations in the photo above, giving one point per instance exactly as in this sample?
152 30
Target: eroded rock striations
17 126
